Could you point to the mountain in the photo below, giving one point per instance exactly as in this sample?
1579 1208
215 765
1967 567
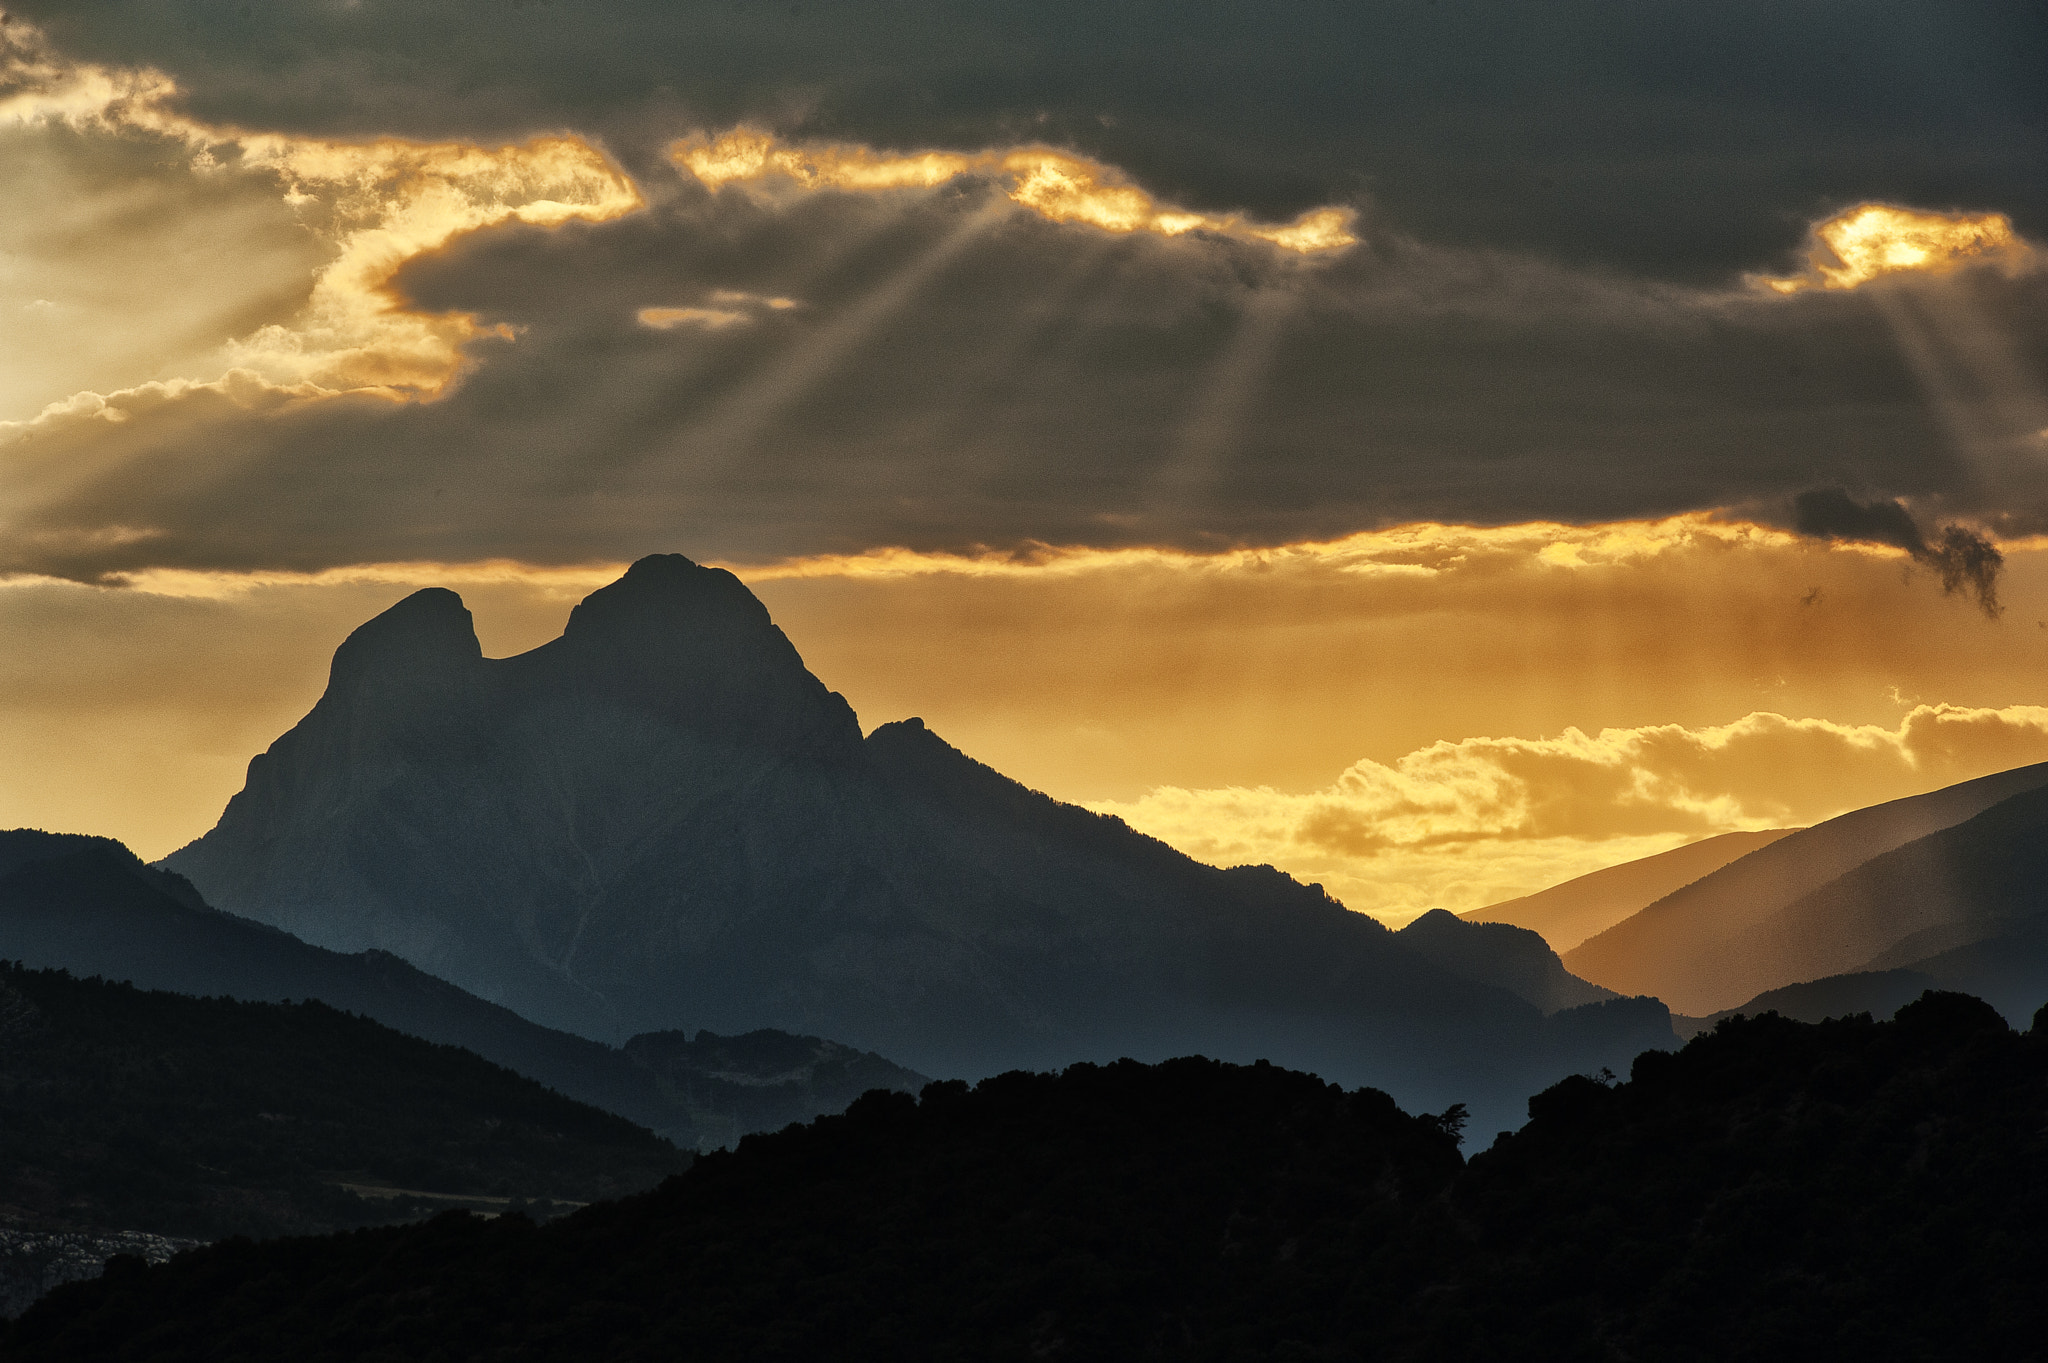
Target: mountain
1879 993
135 1120
1500 954
662 821
2009 971
1967 906
1964 909
87 905
1568 913
1718 941
1775 1190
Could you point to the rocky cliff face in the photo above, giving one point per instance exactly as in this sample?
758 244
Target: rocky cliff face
662 821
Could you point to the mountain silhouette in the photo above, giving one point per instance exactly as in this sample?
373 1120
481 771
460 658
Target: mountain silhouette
1879 993
87 905
662 821
1966 907
120 1102
1732 934
1515 959
1568 913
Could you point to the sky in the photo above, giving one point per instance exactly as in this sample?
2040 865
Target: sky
1436 447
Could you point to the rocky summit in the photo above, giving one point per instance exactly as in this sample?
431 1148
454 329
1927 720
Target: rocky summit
662 821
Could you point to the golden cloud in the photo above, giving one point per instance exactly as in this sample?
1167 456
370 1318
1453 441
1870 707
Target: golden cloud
706 319
1420 549
1872 241
731 307
378 204
1428 828
1059 186
390 202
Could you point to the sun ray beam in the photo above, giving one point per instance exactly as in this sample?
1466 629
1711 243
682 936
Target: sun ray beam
1226 393
732 426
989 374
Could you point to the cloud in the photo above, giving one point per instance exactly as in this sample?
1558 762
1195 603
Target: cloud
708 319
1964 558
1876 241
378 204
1057 185
1194 390
996 348
1397 838
1570 130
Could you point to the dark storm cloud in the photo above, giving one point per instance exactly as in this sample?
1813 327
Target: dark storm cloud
1832 513
1669 137
1965 559
954 371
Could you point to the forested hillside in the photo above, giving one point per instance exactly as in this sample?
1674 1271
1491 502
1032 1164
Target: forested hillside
1775 1190
141 1111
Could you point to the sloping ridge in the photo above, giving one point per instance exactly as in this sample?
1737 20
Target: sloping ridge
1718 941
661 821
1516 959
87 905
1966 907
1568 913
1880 993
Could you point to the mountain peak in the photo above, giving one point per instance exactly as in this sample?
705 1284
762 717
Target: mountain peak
429 631
692 643
668 596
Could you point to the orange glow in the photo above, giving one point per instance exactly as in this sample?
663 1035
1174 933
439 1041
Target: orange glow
1420 549
1874 240
748 154
1455 823
1311 705
1059 186
1314 705
185 584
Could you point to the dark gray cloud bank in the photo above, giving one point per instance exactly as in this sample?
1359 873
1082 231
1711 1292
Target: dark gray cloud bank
1662 136
1546 319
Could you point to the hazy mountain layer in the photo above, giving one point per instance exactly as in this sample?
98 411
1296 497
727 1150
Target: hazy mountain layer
139 1110
1921 904
1568 913
1879 993
2009 971
1511 958
1965 908
1774 1191
662 821
1727 937
88 906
